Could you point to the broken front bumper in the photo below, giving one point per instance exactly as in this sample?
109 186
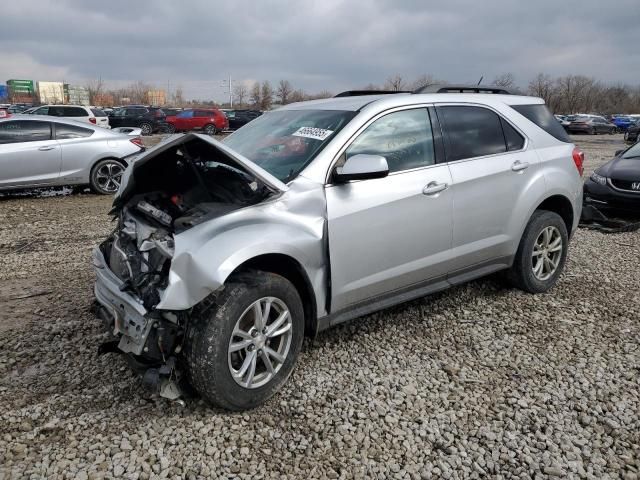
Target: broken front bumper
130 318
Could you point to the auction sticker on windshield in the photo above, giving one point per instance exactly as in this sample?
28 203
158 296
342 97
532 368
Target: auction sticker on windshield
312 132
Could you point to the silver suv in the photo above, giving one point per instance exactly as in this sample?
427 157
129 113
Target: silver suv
227 254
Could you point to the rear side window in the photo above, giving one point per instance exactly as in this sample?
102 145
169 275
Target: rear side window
185 114
98 113
514 140
541 116
75 112
24 131
203 113
65 132
472 132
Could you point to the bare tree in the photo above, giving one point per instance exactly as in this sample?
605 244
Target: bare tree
298 96
505 80
371 86
178 97
255 96
266 99
240 93
284 91
395 83
95 89
425 80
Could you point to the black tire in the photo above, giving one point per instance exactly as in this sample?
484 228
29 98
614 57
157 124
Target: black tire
147 128
105 185
210 129
170 128
521 274
210 333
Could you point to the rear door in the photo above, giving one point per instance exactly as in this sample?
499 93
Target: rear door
77 149
490 168
28 154
183 120
78 114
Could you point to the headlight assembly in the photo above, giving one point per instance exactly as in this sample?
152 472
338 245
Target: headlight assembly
598 178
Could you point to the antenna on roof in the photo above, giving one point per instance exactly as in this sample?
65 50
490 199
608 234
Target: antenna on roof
480 81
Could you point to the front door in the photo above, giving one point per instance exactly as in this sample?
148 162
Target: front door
28 155
392 233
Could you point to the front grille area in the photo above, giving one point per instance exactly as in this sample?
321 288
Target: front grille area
627 185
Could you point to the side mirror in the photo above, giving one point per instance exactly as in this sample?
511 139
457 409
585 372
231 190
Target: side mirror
361 167
618 152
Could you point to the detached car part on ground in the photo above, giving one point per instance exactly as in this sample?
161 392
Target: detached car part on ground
225 255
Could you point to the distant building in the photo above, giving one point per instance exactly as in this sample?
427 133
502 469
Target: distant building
156 97
51 92
76 95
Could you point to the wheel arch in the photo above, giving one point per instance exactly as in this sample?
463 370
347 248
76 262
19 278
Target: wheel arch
561 205
289 268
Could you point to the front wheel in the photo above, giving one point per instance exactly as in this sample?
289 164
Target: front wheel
106 176
242 350
542 253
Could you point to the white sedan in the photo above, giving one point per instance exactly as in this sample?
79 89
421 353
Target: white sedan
40 151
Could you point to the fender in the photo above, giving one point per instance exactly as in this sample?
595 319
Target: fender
208 253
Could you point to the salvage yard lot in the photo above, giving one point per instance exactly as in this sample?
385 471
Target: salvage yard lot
472 382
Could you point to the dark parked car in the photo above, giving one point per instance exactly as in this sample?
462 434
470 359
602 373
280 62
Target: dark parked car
209 120
616 184
239 118
591 125
631 135
147 119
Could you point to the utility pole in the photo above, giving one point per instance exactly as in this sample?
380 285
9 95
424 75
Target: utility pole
229 83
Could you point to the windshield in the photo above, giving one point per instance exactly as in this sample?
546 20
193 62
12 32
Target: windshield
283 142
633 152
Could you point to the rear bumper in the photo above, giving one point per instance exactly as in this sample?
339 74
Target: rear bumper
130 318
605 197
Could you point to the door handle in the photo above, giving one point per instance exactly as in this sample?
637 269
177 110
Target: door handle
518 166
434 187
46 148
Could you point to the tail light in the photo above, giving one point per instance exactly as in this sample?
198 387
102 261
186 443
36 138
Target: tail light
92 120
578 159
137 141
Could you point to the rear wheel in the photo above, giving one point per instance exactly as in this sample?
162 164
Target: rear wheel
146 128
242 350
106 176
542 253
210 129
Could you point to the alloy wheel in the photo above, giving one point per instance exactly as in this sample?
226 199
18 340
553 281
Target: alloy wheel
547 252
109 176
260 342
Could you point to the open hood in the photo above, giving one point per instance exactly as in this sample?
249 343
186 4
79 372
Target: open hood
127 187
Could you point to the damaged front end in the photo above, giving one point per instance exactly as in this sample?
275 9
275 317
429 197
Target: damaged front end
174 187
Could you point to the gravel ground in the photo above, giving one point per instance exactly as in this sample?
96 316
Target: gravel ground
476 382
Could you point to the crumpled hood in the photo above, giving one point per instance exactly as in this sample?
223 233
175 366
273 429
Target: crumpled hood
127 187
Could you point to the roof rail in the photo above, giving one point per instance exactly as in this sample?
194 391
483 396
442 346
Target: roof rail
442 88
359 93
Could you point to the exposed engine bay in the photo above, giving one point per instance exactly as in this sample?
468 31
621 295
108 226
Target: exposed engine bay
181 187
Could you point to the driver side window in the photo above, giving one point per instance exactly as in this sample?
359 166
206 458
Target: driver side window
404 138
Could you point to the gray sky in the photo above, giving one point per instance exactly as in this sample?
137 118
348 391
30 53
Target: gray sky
316 45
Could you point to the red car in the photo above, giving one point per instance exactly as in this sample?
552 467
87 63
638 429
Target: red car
210 121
